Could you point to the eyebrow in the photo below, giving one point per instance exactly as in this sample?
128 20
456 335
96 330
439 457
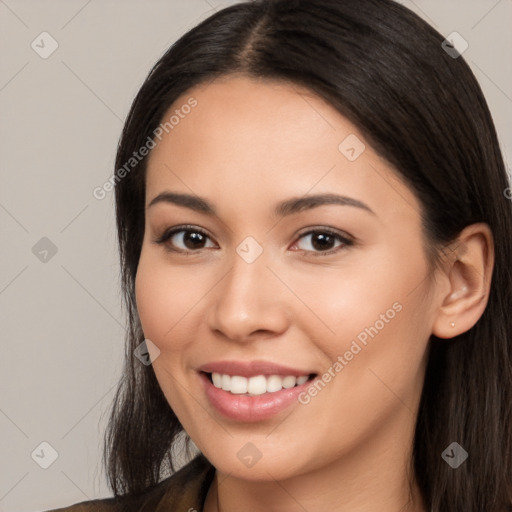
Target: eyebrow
283 209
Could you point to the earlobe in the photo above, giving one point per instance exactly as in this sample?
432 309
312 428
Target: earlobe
469 272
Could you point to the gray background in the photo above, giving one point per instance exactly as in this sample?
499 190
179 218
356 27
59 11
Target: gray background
61 117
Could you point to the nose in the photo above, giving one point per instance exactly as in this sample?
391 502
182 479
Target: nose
249 302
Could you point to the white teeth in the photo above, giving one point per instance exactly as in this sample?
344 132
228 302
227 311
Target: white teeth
302 379
274 383
226 382
289 382
217 380
256 385
238 384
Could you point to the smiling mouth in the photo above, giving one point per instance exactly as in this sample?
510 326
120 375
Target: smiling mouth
257 384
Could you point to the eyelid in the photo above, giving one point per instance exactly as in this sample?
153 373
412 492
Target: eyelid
344 237
169 232
325 229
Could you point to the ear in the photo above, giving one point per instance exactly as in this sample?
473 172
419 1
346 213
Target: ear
468 270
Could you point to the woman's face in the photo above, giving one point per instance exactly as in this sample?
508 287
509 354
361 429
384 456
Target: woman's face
341 289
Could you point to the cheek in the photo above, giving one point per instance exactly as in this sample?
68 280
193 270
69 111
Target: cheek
165 300
151 299
374 310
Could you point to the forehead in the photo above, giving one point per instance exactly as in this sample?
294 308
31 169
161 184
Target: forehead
268 139
239 115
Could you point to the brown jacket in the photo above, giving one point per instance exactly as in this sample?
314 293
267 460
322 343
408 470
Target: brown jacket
184 491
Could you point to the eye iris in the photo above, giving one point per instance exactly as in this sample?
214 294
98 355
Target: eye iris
196 239
322 241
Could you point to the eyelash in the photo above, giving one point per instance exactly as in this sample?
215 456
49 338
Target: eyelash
167 234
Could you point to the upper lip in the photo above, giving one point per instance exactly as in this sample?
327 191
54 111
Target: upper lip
251 368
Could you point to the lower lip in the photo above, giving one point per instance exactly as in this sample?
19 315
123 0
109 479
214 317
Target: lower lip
251 408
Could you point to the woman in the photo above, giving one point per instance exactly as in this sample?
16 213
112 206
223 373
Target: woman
315 244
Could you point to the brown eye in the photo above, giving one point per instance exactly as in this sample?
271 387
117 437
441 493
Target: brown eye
193 239
182 239
323 242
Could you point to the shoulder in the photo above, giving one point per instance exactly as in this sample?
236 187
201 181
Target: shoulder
100 505
185 489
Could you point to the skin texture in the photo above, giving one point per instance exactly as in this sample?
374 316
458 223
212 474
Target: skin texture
247 145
